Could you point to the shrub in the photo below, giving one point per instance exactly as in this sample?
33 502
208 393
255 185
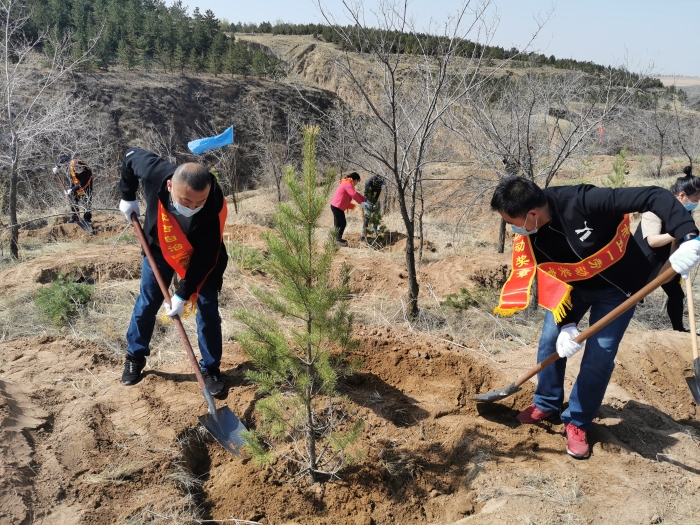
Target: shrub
618 179
244 257
60 301
465 299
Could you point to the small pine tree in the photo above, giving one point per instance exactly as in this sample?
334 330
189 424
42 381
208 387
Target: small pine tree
125 56
618 178
301 417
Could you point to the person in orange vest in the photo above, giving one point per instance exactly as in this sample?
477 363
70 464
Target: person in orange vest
577 240
185 216
80 191
341 203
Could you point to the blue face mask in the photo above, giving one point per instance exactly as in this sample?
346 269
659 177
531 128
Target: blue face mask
690 206
522 230
184 210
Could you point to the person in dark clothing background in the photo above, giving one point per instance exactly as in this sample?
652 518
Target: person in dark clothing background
373 189
576 240
80 191
185 216
657 244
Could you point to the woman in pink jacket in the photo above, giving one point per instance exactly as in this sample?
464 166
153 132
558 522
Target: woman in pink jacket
341 202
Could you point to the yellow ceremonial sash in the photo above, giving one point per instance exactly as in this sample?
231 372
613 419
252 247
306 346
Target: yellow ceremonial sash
177 250
553 292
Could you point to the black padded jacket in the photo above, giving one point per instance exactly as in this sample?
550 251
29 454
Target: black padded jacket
585 218
204 235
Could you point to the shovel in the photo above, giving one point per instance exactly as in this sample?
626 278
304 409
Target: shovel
665 274
694 380
221 423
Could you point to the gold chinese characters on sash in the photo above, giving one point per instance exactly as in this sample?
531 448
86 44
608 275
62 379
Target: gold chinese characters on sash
177 250
554 293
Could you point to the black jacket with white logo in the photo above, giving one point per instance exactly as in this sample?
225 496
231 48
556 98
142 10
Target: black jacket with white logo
209 252
585 219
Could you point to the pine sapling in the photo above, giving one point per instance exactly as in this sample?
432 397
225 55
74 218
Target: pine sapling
301 418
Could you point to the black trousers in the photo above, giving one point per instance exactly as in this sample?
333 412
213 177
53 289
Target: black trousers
674 305
84 200
339 221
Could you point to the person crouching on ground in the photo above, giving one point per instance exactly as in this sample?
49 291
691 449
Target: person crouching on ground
373 189
658 245
341 202
577 240
185 216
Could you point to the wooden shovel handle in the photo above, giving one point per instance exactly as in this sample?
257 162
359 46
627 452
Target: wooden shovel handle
691 317
166 295
665 274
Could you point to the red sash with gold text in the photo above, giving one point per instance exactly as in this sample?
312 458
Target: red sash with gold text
176 249
554 293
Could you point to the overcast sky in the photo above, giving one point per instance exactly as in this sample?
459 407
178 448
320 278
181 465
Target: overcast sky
662 32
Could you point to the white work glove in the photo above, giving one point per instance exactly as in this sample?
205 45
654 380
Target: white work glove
55 170
364 205
383 186
177 306
129 207
686 257
566 347
68 192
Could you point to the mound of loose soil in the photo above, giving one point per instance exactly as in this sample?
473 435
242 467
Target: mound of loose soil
104 227
387 277
78 447
85 263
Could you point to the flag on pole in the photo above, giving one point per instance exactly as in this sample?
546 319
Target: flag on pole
199 146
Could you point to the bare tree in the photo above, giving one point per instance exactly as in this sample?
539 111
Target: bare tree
276 138
36 96
533 125
402 99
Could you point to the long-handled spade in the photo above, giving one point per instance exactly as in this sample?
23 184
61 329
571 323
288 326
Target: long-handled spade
694 380
664 275
221 423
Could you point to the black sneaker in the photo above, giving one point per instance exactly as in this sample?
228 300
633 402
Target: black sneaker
212 378
132 369
342 242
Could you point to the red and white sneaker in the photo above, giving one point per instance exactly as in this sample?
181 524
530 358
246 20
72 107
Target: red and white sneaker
576 442
532 414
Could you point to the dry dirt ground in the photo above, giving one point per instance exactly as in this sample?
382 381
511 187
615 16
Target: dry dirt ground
76 447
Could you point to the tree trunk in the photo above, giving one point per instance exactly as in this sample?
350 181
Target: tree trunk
411 270
502 237
311 430
14 232
420 227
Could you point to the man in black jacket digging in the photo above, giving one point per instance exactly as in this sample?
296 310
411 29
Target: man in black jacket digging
577 240
185 216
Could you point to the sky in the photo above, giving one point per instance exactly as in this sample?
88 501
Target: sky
663 34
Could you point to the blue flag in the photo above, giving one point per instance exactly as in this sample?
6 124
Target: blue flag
199 146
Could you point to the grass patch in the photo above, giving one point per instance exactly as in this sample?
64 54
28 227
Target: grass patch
244 257
60 301
465 299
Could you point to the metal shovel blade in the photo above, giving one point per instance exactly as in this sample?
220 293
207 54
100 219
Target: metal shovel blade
694 381
85 225
226 428
497 395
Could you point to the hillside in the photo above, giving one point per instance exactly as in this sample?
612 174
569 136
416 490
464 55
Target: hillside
78 447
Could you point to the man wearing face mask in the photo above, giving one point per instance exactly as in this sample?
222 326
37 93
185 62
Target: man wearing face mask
576 239
185 216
